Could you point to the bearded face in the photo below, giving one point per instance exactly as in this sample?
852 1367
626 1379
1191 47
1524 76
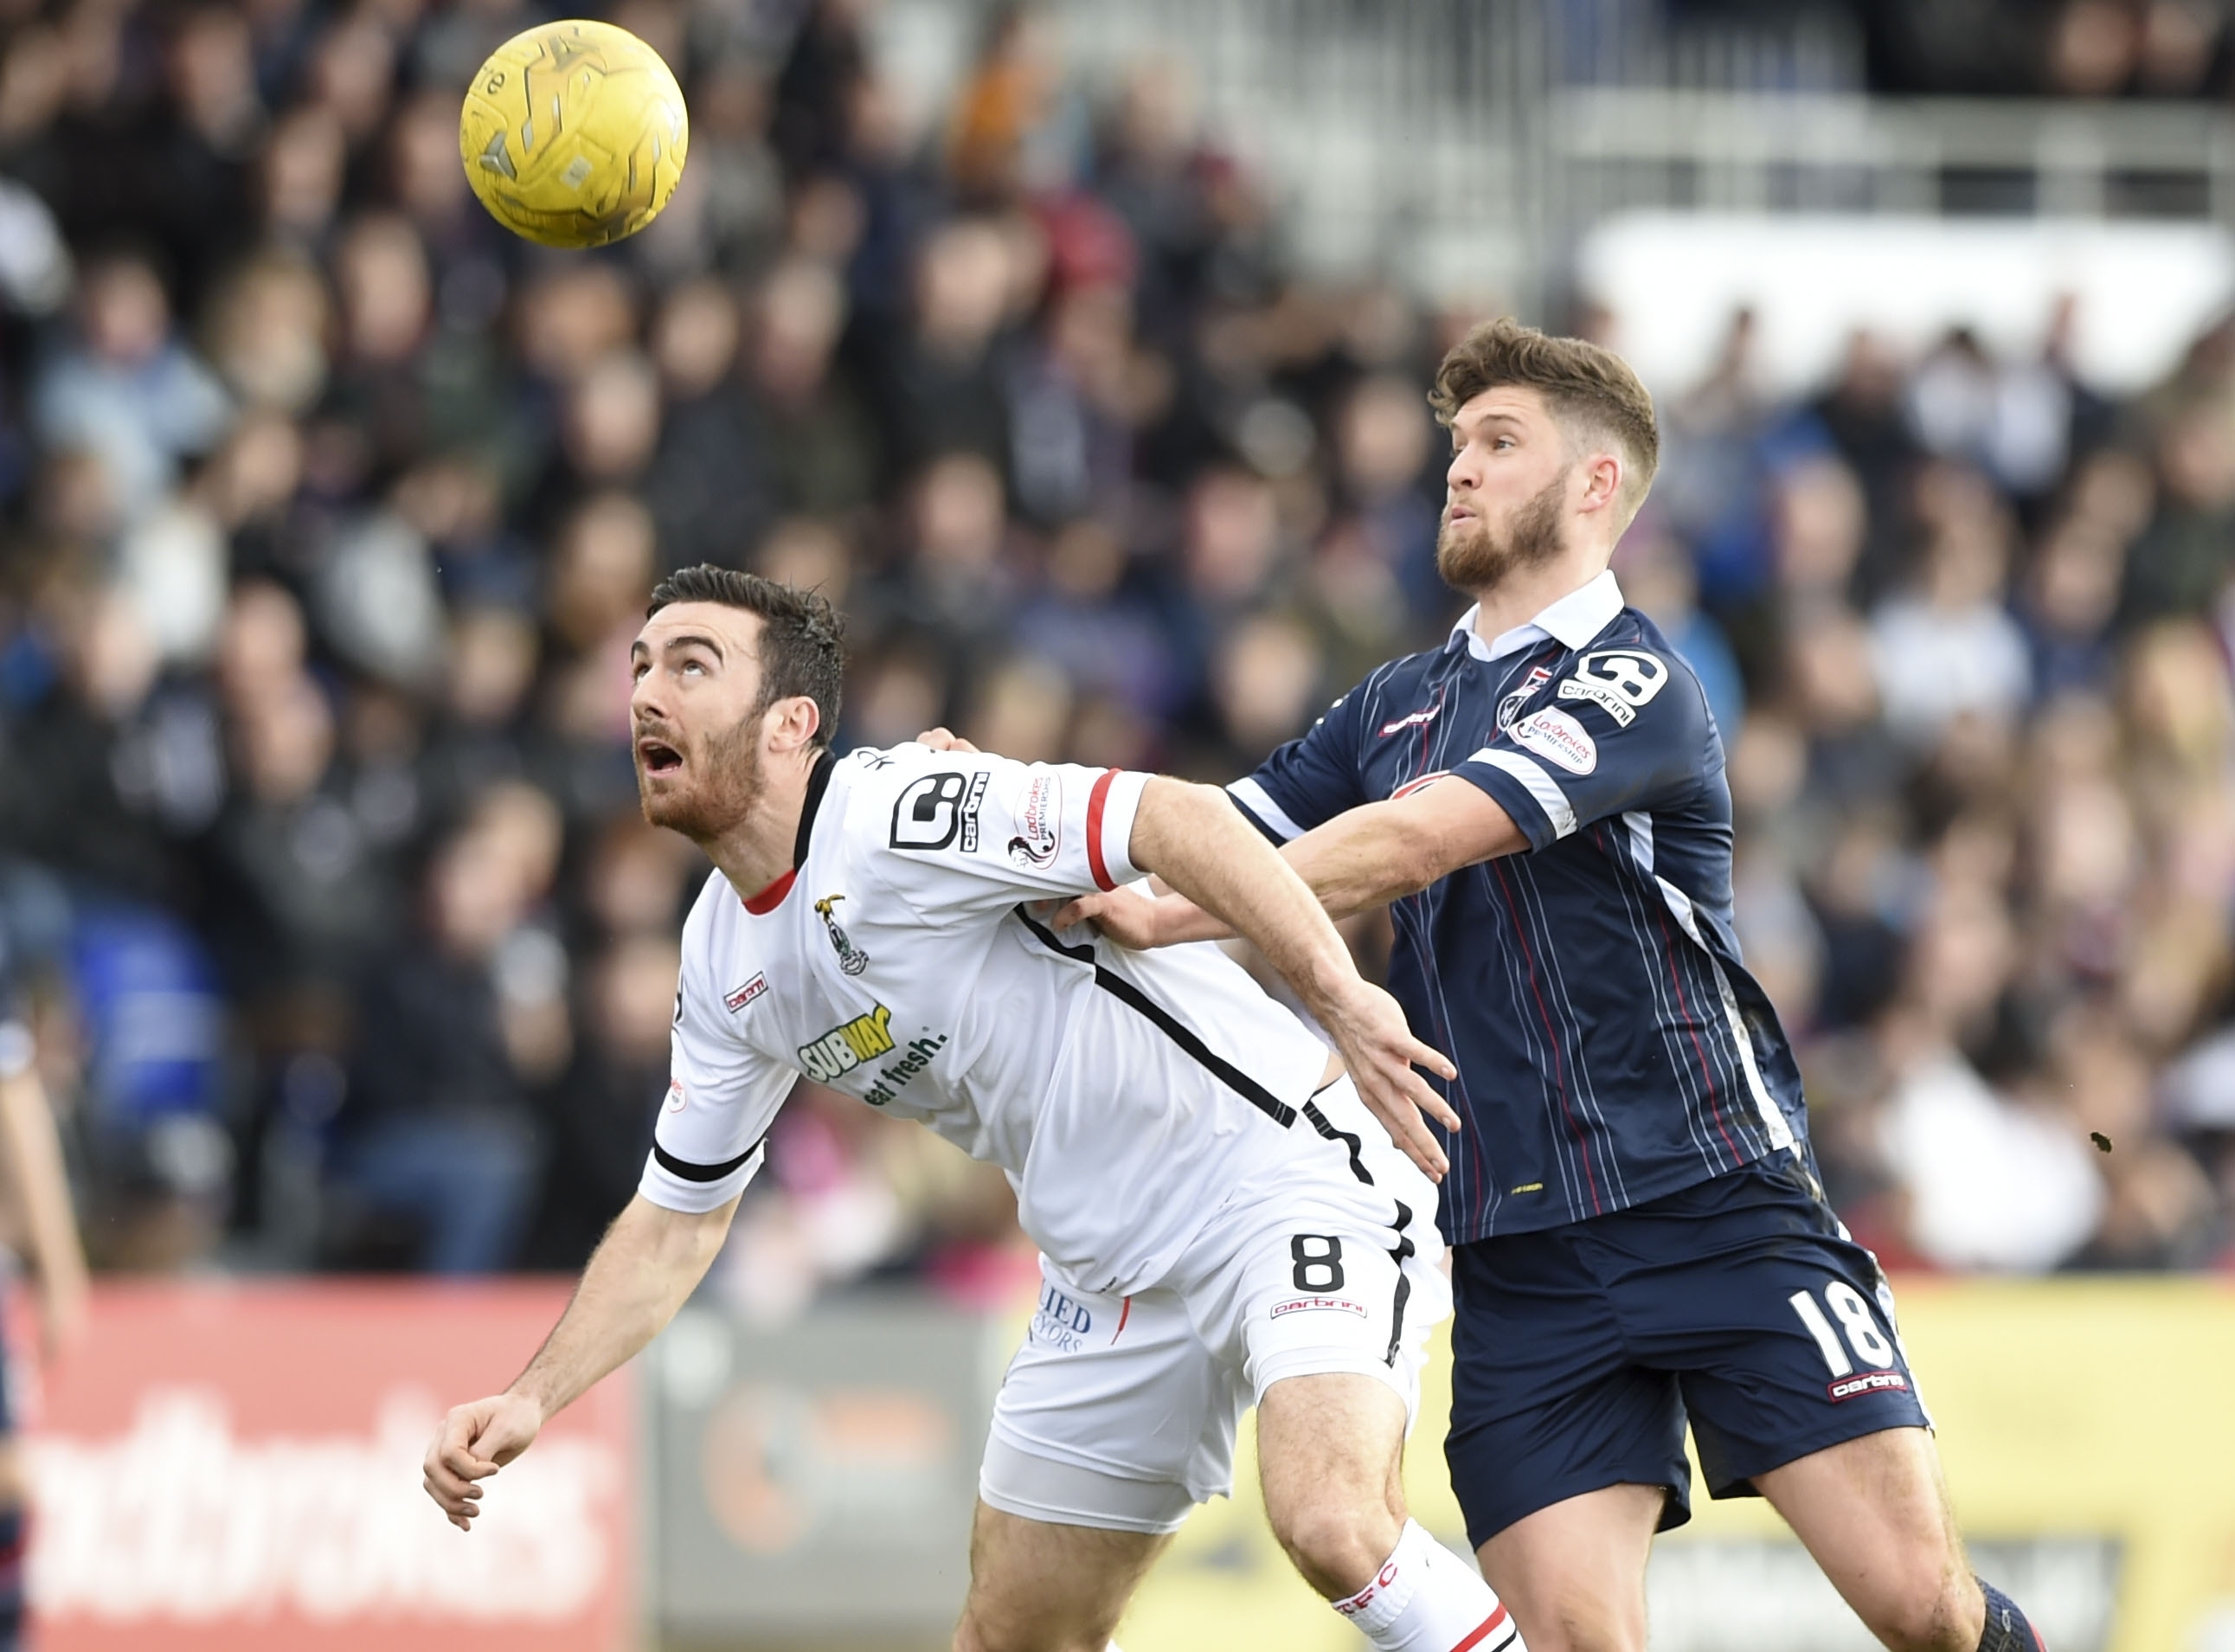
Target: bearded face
699 786
1475 555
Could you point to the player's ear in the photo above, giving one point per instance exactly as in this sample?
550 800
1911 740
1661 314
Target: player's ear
1602 481
793 723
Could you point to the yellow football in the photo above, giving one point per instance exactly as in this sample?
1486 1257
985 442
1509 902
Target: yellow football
573 134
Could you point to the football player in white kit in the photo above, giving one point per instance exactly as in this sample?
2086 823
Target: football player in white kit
1221 1214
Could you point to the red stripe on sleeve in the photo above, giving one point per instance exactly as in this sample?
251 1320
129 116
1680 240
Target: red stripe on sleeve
1095 800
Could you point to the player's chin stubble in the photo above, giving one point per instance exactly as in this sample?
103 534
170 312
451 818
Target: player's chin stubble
1472 559
721 781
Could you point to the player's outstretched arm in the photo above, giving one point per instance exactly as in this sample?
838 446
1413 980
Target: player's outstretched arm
1193 838
645 1268
1364 857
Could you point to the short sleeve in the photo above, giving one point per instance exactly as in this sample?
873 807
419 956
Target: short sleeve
711 1136
1623 728
971 830
1308 782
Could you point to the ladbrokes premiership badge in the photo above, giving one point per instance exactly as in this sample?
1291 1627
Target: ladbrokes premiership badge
851 959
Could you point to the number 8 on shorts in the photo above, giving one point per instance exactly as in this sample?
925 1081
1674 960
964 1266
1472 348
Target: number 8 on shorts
1317 1257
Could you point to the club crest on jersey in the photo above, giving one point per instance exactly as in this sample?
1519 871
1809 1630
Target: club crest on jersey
1510 707
752 989
678 1099
1039 823
851 959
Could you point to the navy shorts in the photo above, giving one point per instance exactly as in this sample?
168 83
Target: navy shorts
1579 1352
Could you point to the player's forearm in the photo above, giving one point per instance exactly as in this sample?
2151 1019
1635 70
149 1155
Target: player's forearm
1199 845
645 1268
1364 858
35 1157
1357 861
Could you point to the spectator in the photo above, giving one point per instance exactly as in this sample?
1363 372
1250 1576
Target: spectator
125 392
1952 647
600 1124
327 514
438 1133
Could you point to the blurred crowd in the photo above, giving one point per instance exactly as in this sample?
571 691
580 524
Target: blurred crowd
2139 48
329 508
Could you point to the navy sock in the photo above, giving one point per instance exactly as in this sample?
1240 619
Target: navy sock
11 1579
2007 1629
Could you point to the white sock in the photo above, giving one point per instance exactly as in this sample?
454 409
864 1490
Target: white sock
1426 1599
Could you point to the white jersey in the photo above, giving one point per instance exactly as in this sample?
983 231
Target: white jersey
1126 1094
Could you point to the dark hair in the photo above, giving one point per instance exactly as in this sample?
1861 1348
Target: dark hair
1583 384
803 648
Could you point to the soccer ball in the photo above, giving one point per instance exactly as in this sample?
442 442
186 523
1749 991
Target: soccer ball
573 134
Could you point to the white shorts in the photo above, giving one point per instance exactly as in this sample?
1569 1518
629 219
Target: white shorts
1119 1411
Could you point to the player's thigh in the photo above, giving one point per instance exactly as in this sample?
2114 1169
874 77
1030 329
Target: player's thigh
1548 1406
1874 1512
1780 1326
1332 1265
1330 1451
1334 1436
1036 1586
1573 1574
1113 1413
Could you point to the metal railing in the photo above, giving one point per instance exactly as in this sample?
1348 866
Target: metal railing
1667 147
1462 147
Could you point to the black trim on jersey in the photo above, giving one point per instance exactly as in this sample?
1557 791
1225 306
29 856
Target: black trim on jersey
1320 1123
1119 987
818 781
1400 1256
690 1172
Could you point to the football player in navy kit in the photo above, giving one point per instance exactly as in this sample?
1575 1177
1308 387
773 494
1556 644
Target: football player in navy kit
1639 1235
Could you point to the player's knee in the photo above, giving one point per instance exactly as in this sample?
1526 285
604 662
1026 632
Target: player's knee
1579 1624
1337 1544
980 1631
1934 1612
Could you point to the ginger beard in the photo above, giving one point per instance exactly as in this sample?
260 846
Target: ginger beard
715 786
1473 558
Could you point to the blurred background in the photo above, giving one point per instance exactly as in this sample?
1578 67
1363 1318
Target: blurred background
1078 350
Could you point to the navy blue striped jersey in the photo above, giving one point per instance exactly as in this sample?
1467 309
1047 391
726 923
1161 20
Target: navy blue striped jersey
1611 1047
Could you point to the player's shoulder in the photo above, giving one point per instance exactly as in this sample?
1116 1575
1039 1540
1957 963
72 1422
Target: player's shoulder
715 902
909 797
1409 672
708 924
1396 687
869 772
1629 669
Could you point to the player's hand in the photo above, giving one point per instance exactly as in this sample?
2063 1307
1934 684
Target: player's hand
474 1442
1125 915
944 740
1380 1050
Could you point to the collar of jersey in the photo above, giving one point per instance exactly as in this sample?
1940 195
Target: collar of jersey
1572 621
818 781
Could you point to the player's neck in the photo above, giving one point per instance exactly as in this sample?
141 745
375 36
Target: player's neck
756 849
1526 592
